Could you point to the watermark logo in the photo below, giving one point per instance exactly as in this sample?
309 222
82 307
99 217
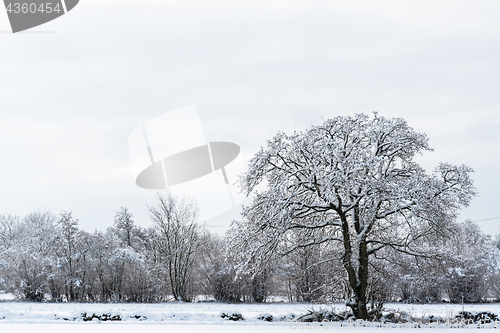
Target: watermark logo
170 152
26 14
456 323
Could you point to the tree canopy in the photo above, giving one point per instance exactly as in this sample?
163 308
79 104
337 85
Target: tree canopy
352 182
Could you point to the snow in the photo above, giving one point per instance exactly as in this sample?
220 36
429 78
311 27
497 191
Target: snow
7 297
226 328
125 328
442 310
193 315
162 312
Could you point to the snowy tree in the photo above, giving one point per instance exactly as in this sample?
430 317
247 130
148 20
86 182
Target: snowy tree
179 241
9 225
413 281
470 264
356 180
124 222
9 232
306 269
69 240
33 259
495 274
38 232
217 269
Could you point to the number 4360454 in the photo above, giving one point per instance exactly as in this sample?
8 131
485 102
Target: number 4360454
33 8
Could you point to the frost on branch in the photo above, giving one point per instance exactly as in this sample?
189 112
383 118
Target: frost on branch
351 183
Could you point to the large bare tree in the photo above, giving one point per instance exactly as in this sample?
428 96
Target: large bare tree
352 182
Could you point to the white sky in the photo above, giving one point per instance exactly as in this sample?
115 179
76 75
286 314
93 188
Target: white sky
72 90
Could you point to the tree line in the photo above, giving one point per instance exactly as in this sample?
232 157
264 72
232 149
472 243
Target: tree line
48 258
343 213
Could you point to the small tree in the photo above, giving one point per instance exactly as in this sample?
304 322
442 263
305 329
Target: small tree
470 264
9 225
31 254
179 241
124 223
355 180
217 269
68 242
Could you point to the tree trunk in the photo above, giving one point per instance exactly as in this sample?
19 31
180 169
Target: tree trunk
362 282
358 280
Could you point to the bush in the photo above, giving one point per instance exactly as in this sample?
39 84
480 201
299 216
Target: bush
235 316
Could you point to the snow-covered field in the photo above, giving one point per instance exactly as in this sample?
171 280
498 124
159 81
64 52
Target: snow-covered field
204 312
164 312
186 317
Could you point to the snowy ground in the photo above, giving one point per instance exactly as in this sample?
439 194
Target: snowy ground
206 312
7 297
187 317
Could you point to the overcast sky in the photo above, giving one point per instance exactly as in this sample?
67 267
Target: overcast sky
72 90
